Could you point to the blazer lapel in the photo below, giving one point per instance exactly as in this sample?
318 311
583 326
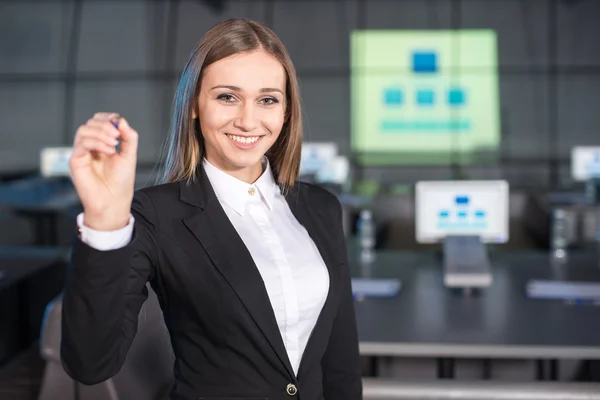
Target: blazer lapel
315 225
214 231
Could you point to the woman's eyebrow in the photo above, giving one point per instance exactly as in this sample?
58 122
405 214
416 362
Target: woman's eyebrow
238 89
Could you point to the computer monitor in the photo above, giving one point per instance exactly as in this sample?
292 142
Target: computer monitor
585 163
54 161
462 208
315 155
424 97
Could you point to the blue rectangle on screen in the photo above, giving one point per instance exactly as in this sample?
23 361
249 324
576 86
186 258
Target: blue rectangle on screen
424 125
463 224
393 97
424 62
444 214
462 214
425 97
479 214
456 97
462 200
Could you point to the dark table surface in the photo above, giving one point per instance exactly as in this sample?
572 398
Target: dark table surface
39 195
427 319
17 263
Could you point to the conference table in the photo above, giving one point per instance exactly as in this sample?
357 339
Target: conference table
429 320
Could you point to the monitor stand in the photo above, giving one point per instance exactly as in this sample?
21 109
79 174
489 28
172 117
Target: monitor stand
466 263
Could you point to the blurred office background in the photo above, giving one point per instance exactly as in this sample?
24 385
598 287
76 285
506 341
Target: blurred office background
61 61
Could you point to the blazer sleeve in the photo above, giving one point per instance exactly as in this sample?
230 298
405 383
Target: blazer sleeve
341 363
103 294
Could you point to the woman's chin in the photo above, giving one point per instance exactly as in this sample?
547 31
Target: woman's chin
244 159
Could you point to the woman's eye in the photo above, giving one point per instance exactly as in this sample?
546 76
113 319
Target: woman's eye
270 101
227 98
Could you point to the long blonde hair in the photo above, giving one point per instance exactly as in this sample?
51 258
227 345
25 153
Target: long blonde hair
184 148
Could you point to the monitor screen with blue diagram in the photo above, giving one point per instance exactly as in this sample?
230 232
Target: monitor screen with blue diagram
470 208
585 163
429 97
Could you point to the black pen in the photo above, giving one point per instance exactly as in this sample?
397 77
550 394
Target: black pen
118 145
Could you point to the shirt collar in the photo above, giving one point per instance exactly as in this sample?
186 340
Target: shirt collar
235 193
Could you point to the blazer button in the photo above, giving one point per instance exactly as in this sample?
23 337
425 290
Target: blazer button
291 389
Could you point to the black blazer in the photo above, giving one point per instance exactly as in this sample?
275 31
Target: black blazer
223 330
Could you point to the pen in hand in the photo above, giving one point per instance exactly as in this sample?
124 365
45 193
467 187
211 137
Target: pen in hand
118 146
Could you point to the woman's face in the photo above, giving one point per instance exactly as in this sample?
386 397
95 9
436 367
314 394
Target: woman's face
241 110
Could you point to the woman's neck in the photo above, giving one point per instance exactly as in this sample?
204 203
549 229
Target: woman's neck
245 174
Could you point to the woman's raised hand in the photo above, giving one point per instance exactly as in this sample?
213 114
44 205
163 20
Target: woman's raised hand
104 178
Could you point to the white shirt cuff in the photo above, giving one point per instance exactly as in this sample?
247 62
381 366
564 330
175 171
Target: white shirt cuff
105 240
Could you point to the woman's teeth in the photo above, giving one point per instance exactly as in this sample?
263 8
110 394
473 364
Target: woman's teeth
242 139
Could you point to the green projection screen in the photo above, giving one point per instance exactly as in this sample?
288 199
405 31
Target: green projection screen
424 97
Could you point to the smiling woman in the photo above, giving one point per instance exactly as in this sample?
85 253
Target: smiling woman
243 118
249 264
242 84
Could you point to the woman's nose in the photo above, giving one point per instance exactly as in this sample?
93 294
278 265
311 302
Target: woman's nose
247 119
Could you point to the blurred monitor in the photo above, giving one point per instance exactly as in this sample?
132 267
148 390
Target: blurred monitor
462 208
585 163
335 171
54 161
424 97
316 155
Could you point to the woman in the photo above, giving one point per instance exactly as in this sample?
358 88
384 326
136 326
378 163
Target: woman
249 265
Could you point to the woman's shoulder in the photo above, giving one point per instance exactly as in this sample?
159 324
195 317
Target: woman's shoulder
161 203
156 199
318 195
160 192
